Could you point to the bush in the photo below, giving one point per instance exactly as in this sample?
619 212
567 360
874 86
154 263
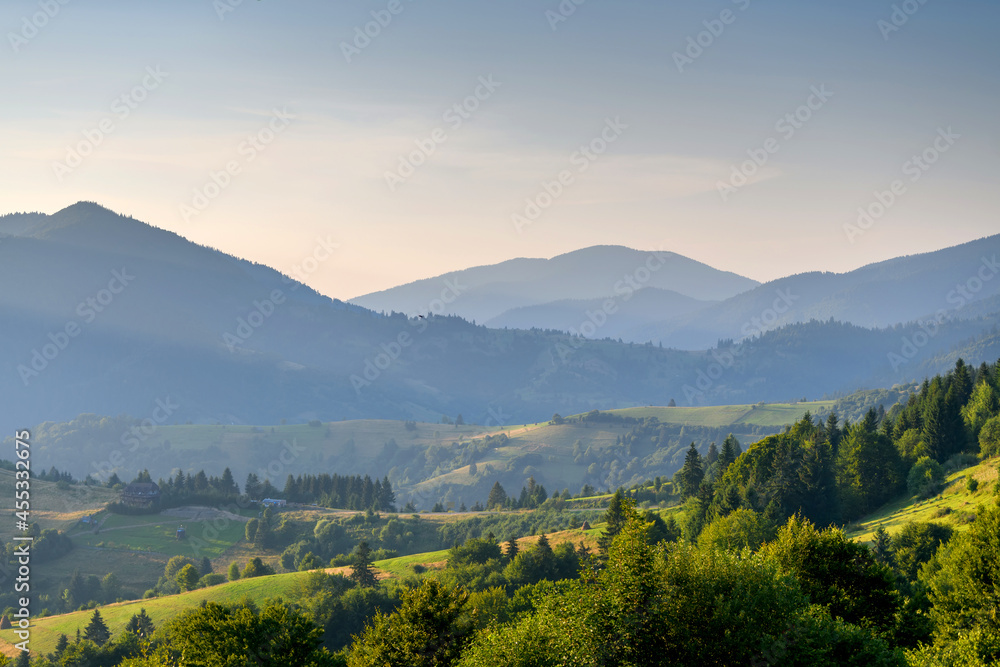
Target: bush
972 484
213 579
925 478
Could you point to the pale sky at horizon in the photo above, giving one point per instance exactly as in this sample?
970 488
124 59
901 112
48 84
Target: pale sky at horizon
323 175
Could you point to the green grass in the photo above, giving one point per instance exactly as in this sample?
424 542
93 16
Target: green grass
403 565
769 414
953 506
161 537
45 631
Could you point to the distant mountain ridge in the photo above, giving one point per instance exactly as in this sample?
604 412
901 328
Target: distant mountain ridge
718 305
597 272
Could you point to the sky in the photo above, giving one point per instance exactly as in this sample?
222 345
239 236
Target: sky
456 133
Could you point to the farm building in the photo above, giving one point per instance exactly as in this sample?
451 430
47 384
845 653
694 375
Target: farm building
140 494
273 502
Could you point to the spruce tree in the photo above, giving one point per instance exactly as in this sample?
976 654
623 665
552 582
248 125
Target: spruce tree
713 454
882 547
728 454
97 630
692 473
361 569
618 512
140 624
511 551
497 498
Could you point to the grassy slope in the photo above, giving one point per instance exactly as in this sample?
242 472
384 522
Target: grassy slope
45 631
555 443
770 414
953 506
51 507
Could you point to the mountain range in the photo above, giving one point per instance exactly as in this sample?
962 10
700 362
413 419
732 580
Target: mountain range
689 305
101 313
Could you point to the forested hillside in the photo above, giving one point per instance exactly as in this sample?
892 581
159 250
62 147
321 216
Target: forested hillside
757 534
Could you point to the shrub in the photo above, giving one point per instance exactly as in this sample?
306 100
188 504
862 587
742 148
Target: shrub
925 478
212 579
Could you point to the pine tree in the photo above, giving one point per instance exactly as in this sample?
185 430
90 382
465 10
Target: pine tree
617 515
497 498
882 547
728 454
234 571
361 569
713 454
692 473
61 643
228 484
833 432
205 567
97 630
253 487
511 551
140 624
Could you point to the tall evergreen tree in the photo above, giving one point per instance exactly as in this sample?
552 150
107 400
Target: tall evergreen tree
691 473
615 518
713 454
882 546
97 630
511 551
228 484
728 454
497 498
362 572
833 431
140 624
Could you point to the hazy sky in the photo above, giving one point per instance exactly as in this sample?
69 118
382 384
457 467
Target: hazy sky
202 84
